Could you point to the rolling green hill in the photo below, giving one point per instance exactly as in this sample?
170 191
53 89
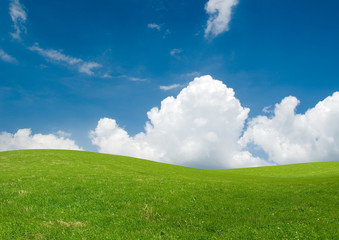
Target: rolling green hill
56 194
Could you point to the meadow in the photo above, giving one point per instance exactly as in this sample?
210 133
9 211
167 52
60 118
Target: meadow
59 194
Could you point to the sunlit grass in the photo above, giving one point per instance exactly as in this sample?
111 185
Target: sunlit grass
50 194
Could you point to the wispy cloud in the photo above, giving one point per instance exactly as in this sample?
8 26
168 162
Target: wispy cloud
219 12
7 58
107 75
57 56
154 26
19 17
170 87
267 109
175 51
63 134
135 79
130 78
165 32
193 74
87 67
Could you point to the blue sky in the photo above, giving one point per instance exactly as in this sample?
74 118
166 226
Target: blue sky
68 64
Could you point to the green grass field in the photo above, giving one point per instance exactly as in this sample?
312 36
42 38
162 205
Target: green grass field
54 194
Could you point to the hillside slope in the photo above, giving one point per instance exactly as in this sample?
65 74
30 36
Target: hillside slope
56 194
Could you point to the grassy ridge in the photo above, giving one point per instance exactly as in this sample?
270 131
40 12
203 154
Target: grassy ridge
53 194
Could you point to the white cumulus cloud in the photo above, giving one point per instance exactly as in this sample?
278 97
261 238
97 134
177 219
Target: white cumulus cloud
24 139
19 17
7 58
288 137
199 128
204 127
219 12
